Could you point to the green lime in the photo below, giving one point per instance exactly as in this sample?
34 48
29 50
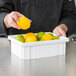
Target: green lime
39 35
55 37
51 34
20 38
42 40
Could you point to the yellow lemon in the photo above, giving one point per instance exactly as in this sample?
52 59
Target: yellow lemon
31 39
46 37
29 34
24 23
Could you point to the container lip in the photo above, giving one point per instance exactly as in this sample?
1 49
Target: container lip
60 40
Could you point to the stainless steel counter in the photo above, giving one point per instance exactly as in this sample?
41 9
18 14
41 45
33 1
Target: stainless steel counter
10 65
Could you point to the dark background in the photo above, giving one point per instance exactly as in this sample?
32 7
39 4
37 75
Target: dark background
75 19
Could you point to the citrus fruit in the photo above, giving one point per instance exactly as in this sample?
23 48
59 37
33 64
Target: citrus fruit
55 37
51 34
46 37
20 38
42 40
39 35
24 23
29 34
31 39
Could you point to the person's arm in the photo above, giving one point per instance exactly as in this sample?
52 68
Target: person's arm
6 6
68 15
67 21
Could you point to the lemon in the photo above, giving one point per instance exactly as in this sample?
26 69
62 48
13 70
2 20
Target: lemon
31 39
20 38
29 34
46 37
24 23
39 35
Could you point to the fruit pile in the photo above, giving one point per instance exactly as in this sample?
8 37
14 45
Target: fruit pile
31 37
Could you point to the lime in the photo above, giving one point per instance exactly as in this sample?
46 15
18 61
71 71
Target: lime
39 35
55 37
20 38
42 40
51 34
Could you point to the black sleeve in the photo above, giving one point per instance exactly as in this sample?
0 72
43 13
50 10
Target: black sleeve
6 6
68 15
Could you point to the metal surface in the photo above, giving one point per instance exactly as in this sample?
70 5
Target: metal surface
10 65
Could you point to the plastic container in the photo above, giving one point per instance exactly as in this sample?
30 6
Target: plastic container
39 49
